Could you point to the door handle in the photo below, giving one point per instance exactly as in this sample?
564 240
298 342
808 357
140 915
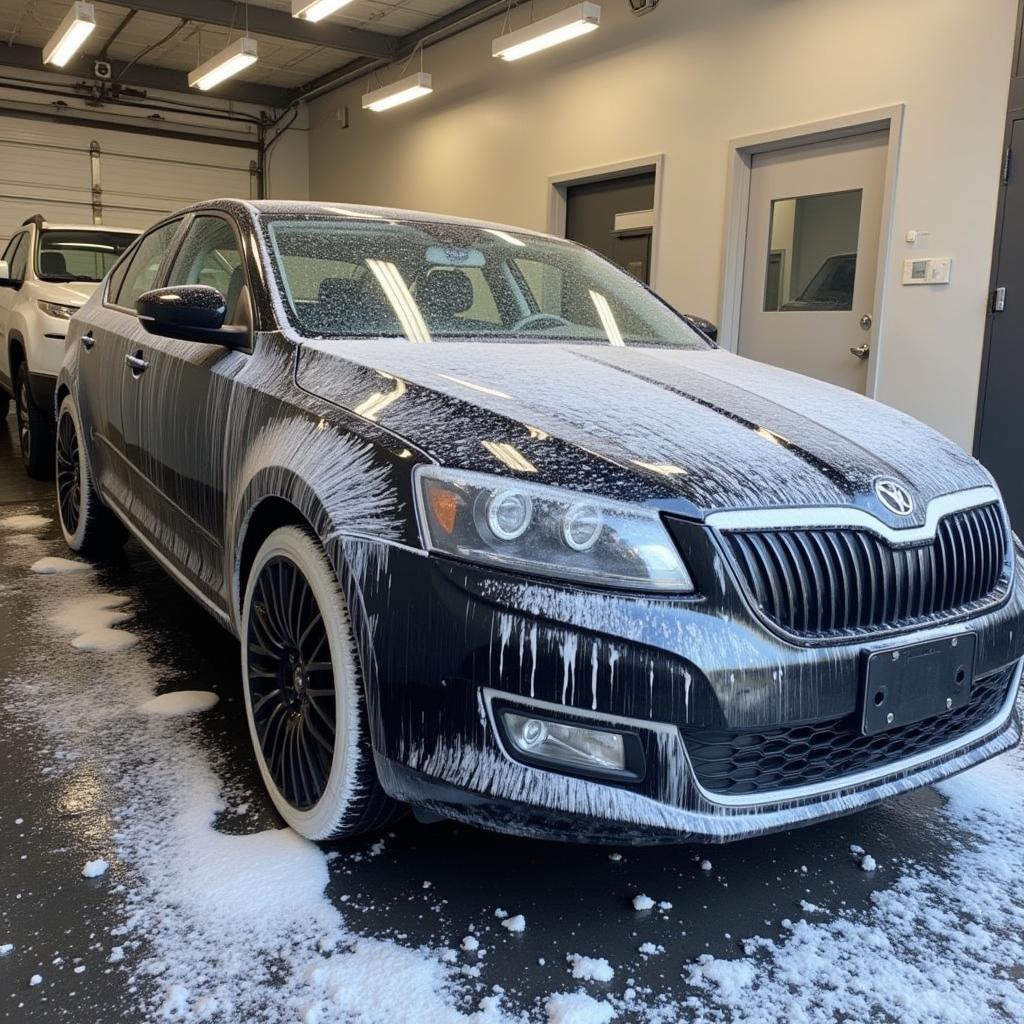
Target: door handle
860 351
87 340
137 363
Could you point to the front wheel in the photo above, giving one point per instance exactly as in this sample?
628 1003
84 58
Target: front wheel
89 527
303 693
35 429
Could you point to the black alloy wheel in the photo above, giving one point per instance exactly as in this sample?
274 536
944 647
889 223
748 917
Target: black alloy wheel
291 683
69 473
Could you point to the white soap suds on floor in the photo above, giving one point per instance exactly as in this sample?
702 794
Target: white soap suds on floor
5 948
179 702
95 868
24 522
868 863
36 979
516 923
91 619
53 566
587 968
642 902
578 1008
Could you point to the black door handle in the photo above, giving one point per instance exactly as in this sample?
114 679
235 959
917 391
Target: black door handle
137 363
87 341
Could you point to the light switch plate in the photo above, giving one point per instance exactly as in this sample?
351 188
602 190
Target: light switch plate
927 270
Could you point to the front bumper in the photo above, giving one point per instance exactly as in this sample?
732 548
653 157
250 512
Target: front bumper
440 642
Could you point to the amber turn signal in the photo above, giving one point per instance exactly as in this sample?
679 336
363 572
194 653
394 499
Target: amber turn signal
444 506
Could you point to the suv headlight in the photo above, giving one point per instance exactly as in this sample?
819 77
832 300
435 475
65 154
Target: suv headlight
58 309
529 528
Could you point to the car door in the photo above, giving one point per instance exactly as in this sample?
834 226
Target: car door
106 339
16 257
176 419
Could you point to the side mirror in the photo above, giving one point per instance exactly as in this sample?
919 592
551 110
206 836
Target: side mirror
5 276
191 312
705 327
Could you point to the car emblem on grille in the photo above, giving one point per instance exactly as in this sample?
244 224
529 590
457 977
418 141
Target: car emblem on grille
894 497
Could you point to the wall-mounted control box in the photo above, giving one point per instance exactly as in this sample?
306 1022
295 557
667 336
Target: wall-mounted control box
933 270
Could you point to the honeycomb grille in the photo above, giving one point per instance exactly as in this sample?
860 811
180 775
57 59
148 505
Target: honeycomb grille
735 763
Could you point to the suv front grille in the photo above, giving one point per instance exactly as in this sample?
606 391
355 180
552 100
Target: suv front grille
832 581
763 761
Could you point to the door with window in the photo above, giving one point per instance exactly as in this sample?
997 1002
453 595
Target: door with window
813 227
177 410
103 345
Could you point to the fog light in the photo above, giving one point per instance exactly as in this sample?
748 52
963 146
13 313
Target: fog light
569 745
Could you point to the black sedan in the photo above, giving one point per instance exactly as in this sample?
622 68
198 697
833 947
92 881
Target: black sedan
505 539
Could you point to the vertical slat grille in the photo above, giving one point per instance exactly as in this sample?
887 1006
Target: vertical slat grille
848 580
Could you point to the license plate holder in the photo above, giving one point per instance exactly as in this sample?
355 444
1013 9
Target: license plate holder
903 685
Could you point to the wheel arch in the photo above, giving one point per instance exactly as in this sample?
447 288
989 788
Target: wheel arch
16 352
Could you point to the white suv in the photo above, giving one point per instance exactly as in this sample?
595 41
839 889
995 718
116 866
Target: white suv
46 272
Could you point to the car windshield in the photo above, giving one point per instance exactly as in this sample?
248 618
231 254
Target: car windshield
423 281
73 254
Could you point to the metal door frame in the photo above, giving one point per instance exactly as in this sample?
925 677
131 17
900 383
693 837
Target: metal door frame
741 153
1014 113
559 185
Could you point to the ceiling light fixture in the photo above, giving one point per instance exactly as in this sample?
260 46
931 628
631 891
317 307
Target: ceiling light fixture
402 91
232 59
316 10
559 28
76 27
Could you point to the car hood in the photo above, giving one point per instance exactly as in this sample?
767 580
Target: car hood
71 293
705 428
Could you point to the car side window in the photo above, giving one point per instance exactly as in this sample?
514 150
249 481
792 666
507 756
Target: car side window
145 265
117 276
210 255
17 261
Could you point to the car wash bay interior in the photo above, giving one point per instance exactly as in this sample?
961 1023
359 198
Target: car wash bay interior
836 185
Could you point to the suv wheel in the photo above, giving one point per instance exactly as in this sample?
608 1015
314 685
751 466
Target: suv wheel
35 429
89 527
304 694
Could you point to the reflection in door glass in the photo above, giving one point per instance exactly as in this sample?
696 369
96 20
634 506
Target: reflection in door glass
812 252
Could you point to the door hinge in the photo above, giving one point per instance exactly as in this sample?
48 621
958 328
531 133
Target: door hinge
999 300
1006 165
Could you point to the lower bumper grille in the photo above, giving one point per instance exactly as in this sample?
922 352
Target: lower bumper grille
762 761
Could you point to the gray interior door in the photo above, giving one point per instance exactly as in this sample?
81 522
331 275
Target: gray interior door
1001 413
590 220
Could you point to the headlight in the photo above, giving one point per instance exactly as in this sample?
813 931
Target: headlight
524 527
58 310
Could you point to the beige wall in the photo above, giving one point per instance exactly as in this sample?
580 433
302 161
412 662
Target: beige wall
685 80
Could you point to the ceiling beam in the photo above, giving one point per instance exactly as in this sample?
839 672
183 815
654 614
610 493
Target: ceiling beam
473 13
143 76
266 21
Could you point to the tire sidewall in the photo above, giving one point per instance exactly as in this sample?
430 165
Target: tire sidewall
76 541
328 815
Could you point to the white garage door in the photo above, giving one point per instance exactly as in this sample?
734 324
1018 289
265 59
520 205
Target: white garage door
52 169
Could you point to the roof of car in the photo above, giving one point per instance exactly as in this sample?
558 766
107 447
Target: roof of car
304 208
90 227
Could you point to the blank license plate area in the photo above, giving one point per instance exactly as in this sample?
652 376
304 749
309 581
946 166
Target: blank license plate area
908 684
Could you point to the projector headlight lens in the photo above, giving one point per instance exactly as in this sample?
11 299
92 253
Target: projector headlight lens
570 746
529 528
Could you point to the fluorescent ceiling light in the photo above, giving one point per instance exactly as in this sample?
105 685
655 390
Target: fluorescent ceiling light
604 311
76 27
559 28
232 59
316 10
402 91
390 279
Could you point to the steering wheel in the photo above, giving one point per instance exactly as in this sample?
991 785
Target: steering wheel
536 318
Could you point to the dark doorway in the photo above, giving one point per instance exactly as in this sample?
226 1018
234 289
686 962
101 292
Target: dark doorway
1000 421
590 215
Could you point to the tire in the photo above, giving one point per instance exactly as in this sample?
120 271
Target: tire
5 405
89 527
35 429
304 693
